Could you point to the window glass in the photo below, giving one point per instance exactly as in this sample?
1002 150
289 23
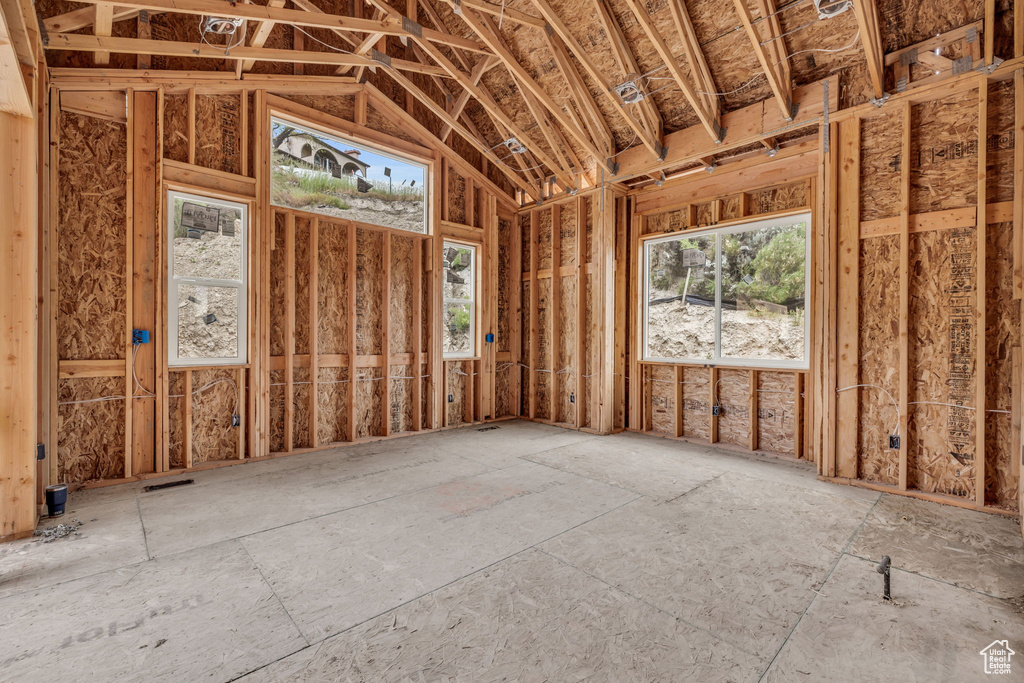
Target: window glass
763 287
459 311
681 298
735 295
328 174
207 280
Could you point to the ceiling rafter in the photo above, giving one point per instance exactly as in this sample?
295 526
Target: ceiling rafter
298 17
559 27
624 57
497 46
695 55
84 18
463 99
711 120
871 39
170 48
594 120
770 52
487 101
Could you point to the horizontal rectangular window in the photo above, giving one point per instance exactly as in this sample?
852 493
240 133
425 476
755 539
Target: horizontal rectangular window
729 296
329 174
207 280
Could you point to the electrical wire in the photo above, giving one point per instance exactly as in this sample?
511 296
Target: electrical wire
896 429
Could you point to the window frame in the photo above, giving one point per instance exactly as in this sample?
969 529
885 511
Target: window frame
172 282
473 307
354 137
718 231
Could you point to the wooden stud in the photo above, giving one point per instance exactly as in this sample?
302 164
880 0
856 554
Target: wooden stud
187 399
352 343
554 311
129 314
904 298
713 419
385 333
679 397
517 314
798 422
534 306
192 126
314 331
752 407
981 293
848 298
417 341
580 364
289 332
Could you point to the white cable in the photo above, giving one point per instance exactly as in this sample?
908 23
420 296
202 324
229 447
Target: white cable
838 49
896 430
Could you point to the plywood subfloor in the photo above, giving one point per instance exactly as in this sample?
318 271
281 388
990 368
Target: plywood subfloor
523 552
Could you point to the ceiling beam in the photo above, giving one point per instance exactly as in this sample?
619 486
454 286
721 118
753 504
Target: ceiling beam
503 12
580 96
259 37
558 26
84 18
102 25
460 103
871 40
776 70
391 26
708 118
15 97
627 63
170 48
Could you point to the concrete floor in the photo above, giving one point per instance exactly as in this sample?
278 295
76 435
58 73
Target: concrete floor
523 552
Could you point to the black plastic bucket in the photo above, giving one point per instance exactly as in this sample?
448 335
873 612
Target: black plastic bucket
56 498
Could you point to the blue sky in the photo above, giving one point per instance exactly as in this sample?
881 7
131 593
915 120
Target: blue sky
399 169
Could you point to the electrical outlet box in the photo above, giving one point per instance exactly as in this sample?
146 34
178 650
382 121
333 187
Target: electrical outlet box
140 336
894 442
490 337
451 398
236 420
40 451
572 398
716 410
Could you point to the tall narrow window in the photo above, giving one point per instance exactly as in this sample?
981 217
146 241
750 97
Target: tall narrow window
459 319
207 268
730 296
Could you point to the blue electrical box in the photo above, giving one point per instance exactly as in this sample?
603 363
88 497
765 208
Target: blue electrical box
140 336
490 337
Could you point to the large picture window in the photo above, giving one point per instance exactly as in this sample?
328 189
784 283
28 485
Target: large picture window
730 296
328 174
208 279
459 312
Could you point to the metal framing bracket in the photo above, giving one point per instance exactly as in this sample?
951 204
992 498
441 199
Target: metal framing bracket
663 153
987 69
879 101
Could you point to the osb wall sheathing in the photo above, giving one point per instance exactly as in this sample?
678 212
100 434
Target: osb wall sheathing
332 288
944 153
278 268
999 146
733 393
302 284
214 400
176 418
277 398
90 436
662 386
300 408
526 336
776 412
696 402
369 402
457 199
91 238
400 407
332 402
369 291
341 106
219 132
566 341
544 341
402 332
176 127
1002 336
456 376
879 358
880 140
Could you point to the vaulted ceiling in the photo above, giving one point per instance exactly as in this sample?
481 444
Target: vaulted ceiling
551 75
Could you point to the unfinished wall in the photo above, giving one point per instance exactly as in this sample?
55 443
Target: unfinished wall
929 287
760 409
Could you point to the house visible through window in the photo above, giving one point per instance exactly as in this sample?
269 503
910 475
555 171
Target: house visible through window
730 296
207 280
459 312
